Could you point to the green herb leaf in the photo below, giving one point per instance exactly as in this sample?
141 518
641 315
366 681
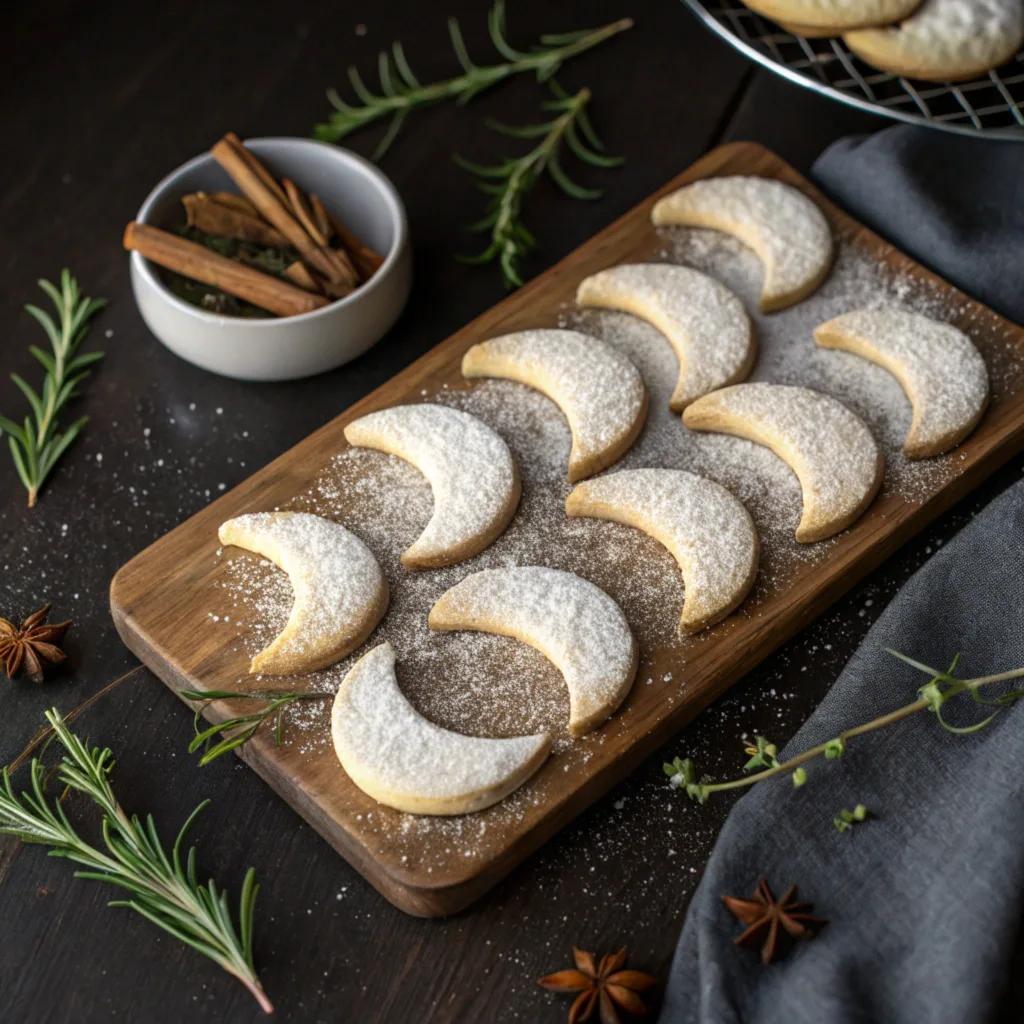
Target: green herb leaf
161 888
237 731
762 755
511 181
401 92
835 748
36 447
847 819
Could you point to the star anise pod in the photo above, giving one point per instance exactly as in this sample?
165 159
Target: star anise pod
33 645
605 986
764 915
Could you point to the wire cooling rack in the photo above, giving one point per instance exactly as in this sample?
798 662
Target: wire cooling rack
990 106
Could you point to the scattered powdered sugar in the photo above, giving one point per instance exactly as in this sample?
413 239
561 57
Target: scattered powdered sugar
402 757
942 371
600 393
486 685
789 232
834 451
705 322
469 466
707 530
573 622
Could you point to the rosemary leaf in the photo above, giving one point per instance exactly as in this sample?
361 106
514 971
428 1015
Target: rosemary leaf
162 888
235 732
510 181
401 92
38 444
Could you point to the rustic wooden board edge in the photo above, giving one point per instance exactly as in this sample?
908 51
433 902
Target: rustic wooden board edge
858 556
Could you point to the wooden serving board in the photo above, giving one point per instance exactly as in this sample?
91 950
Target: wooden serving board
161 600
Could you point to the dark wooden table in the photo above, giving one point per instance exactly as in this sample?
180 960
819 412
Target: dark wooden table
101 100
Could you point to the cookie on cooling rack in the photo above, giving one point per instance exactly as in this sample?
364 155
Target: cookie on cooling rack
945 40
830 17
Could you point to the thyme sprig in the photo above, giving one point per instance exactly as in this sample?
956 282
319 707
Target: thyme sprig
510 181
401 91
161 886
237 731
38 444
845 820
932 697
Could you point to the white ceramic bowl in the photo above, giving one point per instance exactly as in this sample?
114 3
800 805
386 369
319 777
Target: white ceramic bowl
297 346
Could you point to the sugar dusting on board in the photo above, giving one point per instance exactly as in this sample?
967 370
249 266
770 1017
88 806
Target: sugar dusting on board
493 686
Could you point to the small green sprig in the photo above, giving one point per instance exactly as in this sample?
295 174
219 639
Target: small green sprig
38 443
512 180
235 732
161 886
845 820
401 91
943 687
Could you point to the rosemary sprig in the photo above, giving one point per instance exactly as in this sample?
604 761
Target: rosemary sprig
36 446
237 731
162 888
943 687
401 91
511 181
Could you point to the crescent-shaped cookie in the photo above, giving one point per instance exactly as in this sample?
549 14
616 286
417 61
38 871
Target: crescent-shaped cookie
941 371
830 449
341 592
807 31
598 389
784 227
707 530
472 473
574 624
829 17
394 754
945 40
705 323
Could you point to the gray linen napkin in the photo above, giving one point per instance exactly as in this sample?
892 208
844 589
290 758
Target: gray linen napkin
955 204
924 901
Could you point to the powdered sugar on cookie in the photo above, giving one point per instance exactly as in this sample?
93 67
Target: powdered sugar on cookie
945 39
707 530
573 623
784 227
704 322
340 591
598 389
940 369
405 761
473 476
830 449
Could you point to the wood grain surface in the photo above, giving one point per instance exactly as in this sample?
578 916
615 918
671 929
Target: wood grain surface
161 599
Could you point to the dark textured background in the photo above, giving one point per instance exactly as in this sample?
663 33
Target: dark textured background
100 102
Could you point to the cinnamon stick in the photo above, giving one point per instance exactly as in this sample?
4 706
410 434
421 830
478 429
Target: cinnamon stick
215 217
366 260
233 199
323 222
300 274
347 274
266 199
200 263
257 166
